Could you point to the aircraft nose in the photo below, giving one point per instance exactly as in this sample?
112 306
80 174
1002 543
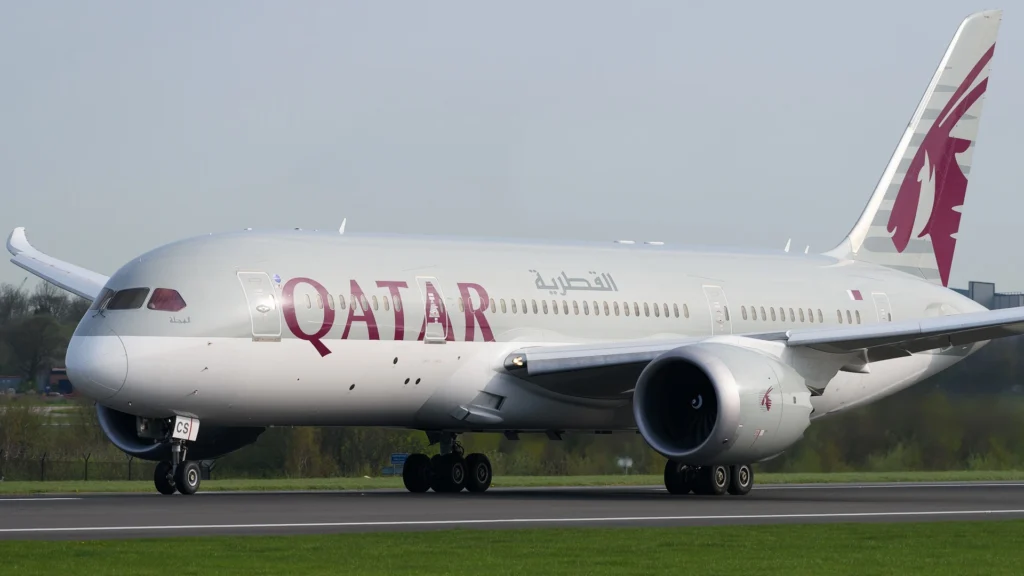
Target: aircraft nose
97 365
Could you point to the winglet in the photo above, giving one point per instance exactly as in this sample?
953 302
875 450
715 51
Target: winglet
17 242
74 279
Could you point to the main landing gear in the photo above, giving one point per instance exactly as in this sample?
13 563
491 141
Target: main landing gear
177 474
448 471
708 480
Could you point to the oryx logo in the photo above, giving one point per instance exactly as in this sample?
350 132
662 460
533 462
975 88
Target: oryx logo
934 187
766 400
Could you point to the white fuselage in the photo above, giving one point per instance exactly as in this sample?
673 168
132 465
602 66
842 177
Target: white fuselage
309 357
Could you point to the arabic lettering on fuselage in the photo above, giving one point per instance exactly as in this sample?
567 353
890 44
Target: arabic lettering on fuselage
562 283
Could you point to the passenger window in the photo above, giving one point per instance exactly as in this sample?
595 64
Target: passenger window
523 302
586 309
763 315
503 309
821 319
801 314
166 300
330 301
319 302
647 310
743 312
636 309
565 307
792 317
575 308
375 303
810 315
839 315
494 305
605 306
664 308
309 303
625 308
657 314
366 305
726 313
461 309
615 305
686 311
849 318
341 301
387 305
675 310
857 312
544 305
398 304
512 302
773 313
534 302
554 306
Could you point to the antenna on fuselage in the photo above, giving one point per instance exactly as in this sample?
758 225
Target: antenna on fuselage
788 242
341 230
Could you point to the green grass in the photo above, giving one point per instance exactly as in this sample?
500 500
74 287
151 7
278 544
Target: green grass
934 549
502 481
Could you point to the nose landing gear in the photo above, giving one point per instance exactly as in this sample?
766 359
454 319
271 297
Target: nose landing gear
177 474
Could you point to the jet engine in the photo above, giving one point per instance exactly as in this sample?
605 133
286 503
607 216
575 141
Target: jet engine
213 442
720 403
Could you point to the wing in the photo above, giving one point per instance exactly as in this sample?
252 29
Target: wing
609 370
74 279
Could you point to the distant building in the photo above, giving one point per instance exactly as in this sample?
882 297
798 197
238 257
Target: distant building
54 381
984 293
10 382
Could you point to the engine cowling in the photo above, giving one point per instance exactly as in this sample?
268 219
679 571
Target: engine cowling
720 403
213 442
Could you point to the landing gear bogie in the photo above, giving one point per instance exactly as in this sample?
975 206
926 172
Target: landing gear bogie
713 480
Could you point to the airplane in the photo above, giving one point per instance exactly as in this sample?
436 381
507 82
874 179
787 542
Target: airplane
719 358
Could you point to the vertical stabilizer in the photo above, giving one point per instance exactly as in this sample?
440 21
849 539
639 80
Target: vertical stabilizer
912 219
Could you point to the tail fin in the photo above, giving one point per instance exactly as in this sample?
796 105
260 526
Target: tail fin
912 219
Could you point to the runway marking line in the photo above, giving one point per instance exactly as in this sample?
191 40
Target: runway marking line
51 499
507 521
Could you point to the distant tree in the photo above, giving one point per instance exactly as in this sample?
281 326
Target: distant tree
14 303
50 300
75 310
36 343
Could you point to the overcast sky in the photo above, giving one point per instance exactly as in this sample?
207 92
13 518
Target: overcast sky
125 125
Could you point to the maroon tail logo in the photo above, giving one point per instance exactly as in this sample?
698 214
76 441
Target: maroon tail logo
935 164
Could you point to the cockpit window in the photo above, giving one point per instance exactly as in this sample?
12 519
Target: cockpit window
128 299
102 299
166 300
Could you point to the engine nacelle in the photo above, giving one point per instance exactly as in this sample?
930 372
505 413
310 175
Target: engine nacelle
212 442
720 403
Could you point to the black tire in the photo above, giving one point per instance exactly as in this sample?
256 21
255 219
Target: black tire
187 478
718 480
741 480
449 473
478 473
162 478
711 480
677 478
417 472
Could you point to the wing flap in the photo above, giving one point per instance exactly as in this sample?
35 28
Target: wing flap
74 279
911 336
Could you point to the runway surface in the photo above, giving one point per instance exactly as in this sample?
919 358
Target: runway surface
212 513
